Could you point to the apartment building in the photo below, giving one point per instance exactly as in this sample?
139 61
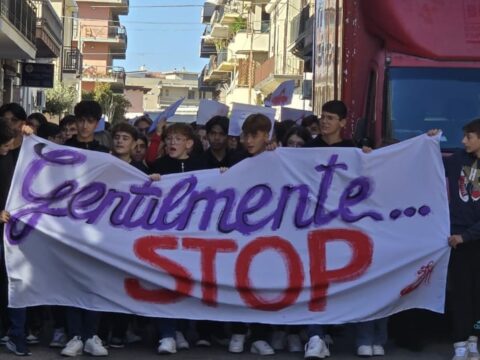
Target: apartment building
153 92
101 39
251 47
30 32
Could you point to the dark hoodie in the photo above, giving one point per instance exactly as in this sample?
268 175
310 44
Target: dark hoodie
168 165
92 145
463 174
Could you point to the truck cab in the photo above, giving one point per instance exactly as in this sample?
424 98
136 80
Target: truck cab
401 67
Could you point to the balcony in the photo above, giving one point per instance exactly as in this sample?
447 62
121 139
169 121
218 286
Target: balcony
207 11
114 75
17 29
49 31
229 14
272 73
207 49
214 73
117 7
102 32
301 36
242 43
72 61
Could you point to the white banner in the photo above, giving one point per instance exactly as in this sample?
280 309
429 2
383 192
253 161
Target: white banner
290 236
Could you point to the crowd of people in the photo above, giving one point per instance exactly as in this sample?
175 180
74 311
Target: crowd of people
178 148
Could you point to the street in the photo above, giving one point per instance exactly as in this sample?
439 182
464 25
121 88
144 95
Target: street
437 351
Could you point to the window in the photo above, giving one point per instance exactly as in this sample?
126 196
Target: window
420 99
191 94
167 92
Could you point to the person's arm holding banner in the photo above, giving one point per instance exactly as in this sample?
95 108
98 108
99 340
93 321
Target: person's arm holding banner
457 239
4 216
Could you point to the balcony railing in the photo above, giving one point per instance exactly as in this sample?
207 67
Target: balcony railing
103 32
111 74
21 13
297 25
264 70
72 60
47 18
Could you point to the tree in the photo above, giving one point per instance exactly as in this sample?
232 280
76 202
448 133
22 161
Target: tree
114 106
60 99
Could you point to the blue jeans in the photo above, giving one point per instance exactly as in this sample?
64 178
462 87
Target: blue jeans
17 319
316 330
372 332
81 322
166 327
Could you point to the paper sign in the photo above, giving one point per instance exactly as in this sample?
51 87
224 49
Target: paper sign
241 111
165 114
296 115
207 109
282 95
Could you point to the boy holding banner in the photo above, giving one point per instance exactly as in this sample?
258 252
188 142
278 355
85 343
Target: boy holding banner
464 268
15 341
82 324
256 137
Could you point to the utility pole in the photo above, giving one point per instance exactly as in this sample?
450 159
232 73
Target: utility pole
250 61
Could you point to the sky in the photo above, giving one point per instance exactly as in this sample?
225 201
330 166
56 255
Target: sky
160 46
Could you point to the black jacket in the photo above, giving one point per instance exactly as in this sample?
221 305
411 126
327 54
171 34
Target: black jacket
93 145
167 165
463 174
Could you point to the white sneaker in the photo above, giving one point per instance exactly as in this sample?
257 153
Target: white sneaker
365 351
378 350
316 348
131 337
32 339
461 351
236 343
261 347
182 343
4 339
167 346
203 343
74 347
472 346
278 340
59 338
94 347
294 343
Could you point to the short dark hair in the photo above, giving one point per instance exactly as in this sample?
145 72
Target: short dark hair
126 128
221 121
39 117
17 110
300 131
255 123
309 120
6 132
145 118
336 107
67 120
182 129
472 127
88 108
143 138
48 130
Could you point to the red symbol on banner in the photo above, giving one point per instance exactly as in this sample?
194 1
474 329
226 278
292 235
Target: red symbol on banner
423 277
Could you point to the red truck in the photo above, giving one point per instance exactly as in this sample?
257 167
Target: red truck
401 66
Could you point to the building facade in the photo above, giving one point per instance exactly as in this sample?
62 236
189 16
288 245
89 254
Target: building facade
153 92
30 32
100 38
251 49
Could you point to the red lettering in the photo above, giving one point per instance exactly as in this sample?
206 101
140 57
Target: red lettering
208 249
362 252
144 248
294 271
